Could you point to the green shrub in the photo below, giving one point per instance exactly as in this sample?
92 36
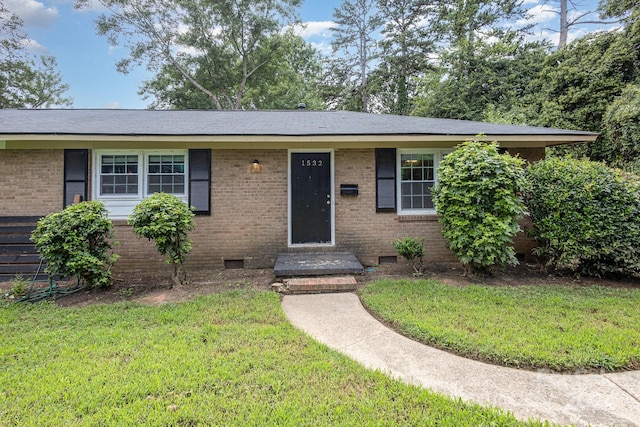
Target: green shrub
166 219
75 243
586 216
620 140
478 204
412 250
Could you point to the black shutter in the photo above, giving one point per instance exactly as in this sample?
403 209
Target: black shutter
76 172
200 181
385 180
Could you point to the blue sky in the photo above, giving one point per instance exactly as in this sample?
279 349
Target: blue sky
87 62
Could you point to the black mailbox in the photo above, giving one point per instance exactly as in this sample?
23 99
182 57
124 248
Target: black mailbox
348 189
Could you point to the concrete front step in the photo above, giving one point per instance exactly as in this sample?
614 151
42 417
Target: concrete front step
316 264
316 285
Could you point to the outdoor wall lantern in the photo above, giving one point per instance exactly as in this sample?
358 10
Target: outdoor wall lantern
256 166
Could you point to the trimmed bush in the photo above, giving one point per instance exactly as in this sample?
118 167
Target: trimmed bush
478 203
166 219
586 217
75 243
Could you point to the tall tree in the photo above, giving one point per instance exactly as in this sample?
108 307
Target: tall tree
473 45
580 83
291 77
26 81
482 61
231 39
572 13
357 22
626 11
577 84
499 75
406 46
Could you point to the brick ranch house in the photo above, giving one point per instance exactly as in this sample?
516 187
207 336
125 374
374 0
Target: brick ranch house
262 182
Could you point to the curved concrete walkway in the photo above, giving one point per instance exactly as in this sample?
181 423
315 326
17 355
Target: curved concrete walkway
341 322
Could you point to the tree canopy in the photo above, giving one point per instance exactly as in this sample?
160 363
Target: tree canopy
471 59
217 47
26 81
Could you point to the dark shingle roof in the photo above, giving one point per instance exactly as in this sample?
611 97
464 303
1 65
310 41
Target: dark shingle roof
246 123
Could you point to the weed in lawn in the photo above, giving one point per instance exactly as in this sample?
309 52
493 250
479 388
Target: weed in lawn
19 286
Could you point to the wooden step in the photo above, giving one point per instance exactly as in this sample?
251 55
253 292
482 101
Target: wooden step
315 285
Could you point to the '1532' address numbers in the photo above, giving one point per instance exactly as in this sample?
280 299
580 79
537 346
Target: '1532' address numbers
311 163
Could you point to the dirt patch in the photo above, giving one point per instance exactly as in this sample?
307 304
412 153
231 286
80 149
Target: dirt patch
155 289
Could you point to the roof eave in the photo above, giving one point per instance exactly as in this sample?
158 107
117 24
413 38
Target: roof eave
58 140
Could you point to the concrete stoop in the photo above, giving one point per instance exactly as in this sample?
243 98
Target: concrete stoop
316 285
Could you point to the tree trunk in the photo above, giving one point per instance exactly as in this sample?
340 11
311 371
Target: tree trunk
564 25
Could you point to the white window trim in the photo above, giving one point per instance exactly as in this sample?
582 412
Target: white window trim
438 154
120 206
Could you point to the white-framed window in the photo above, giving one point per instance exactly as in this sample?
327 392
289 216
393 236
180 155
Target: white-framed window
417 175
123 178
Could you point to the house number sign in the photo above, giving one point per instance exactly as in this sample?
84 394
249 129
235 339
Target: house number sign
311 163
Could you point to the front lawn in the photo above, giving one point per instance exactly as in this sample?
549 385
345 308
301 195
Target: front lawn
224 359
561 328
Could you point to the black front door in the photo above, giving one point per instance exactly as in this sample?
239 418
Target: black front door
310 198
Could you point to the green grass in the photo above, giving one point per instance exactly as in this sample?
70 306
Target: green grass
551 327
225 359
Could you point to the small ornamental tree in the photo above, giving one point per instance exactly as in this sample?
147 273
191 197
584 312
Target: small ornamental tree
166 219
586 217
477 199
76 243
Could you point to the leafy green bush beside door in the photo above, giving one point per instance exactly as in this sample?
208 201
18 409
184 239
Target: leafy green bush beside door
477 199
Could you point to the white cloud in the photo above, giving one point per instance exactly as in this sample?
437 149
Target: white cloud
33 13
33 46
323 48
539 14
112 105
314 29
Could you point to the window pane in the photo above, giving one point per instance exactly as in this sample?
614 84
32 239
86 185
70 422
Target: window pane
118 174
406 202
417 174
166 173
405 189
